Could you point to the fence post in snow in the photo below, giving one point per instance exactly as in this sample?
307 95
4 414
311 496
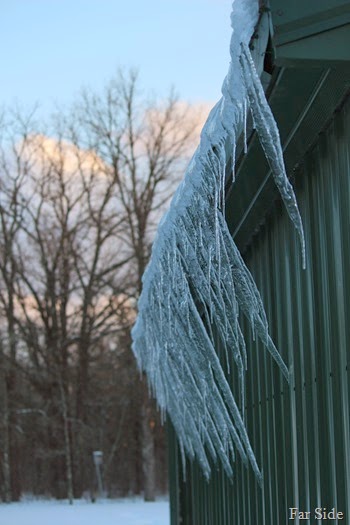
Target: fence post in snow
98 460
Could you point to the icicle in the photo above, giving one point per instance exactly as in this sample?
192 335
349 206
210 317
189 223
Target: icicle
197 285
210 305
233 161
269 137
245 109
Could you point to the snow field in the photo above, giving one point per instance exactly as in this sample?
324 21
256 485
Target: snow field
105 512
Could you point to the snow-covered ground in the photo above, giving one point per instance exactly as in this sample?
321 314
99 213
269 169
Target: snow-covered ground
107 512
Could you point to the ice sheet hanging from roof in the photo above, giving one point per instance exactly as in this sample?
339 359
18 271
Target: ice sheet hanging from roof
197 282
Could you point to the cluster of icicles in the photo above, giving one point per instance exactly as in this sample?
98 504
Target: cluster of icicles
196 284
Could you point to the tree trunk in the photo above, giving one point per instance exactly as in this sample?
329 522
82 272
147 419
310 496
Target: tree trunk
5 420
148 449
67 445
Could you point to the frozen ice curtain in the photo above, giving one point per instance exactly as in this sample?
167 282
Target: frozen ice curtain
196 284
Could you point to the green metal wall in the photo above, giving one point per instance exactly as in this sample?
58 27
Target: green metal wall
300 432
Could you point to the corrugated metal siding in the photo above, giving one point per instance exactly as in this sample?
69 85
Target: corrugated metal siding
300 432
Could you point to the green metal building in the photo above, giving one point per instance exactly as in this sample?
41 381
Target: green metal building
300 432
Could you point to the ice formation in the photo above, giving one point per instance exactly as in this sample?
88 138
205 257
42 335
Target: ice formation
196 283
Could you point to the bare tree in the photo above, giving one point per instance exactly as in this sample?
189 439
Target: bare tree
71 293
78 211
144 146
13 172
61 288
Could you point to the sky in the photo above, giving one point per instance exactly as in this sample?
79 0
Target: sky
50 49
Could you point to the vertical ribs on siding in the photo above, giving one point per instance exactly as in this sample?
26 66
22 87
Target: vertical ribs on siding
301 431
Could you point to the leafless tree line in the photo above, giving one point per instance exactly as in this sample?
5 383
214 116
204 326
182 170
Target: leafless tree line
79 202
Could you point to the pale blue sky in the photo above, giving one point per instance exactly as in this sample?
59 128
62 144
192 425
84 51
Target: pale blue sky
49 49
